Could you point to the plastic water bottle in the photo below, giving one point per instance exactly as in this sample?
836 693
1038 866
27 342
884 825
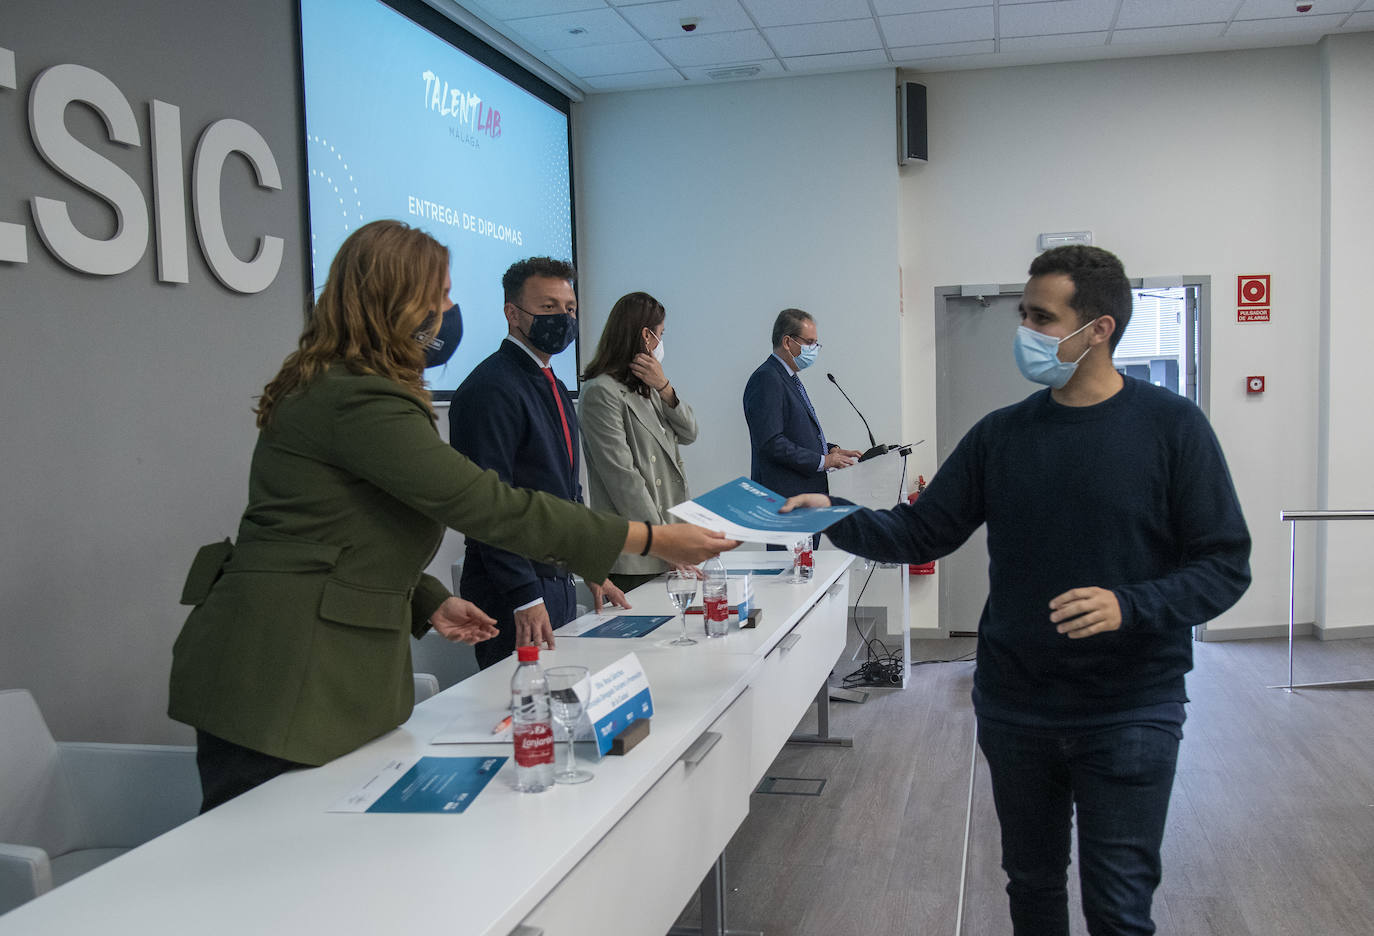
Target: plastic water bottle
531 723
715 598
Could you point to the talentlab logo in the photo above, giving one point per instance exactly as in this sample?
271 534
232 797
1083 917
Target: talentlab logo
470 118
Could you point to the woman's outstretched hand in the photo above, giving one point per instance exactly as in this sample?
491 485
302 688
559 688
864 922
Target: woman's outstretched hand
687 543
462 622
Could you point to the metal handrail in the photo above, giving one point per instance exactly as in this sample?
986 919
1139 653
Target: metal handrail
1292 516
1326 514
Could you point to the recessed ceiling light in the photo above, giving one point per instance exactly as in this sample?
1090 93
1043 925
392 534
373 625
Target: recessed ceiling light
734 71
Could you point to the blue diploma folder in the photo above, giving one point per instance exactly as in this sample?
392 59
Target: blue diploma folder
629 625
751 505
438 785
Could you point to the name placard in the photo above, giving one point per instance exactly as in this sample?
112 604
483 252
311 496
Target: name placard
620 696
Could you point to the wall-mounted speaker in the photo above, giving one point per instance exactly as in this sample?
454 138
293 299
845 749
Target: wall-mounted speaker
911 123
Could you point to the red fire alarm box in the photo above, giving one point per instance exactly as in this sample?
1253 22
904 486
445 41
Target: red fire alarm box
1254 384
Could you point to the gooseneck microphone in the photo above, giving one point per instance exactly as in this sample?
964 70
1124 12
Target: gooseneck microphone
876 449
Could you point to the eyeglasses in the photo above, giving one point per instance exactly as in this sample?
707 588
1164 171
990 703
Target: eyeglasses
813 341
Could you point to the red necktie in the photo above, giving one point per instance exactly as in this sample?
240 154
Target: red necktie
558 398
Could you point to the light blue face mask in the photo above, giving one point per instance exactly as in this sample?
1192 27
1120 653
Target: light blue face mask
1037 356
807 355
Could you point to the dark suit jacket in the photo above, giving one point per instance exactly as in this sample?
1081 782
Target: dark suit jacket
503 417
299 644
784 438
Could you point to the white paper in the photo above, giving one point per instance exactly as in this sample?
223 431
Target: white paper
371 791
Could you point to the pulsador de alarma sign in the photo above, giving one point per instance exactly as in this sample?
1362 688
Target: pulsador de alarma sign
1252 297
59 86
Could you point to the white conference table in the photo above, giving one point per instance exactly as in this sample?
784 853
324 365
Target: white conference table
620 854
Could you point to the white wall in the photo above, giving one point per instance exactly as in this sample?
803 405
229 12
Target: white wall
730 203
1203 164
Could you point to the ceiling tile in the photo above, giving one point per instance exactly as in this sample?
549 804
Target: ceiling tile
610 59
944 26
1310 25
1265 9
910 54
601 27
1060 41
714 49
836 61
790 12
1138 13
1055 16
515 9
664 20
768 68
659 78
892 7
1161 34
819 38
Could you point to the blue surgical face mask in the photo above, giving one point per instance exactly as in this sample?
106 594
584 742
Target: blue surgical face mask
806 356
551 333
1037 356
440 347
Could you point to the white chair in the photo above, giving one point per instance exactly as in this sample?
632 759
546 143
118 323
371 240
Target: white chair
67 808
426 686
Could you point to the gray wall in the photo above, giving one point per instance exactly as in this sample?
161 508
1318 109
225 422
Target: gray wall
126 401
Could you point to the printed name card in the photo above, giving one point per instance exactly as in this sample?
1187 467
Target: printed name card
620 697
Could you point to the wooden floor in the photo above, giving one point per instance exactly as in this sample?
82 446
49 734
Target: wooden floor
1270 833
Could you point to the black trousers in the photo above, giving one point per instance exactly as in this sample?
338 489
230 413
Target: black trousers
228 769
629 581
560 600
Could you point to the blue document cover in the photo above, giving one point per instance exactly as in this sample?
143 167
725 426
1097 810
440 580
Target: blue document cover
749 504
438 785
629 625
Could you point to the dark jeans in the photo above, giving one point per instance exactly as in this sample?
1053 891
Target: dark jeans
1117 780
560 600
228 769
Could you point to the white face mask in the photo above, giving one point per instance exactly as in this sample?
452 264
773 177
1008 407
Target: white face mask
658 348
1037 357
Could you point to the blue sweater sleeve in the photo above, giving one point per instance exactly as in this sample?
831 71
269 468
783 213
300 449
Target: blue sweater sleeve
939 522
1210 527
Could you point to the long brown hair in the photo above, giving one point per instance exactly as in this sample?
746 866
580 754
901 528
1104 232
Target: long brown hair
384 287
621 339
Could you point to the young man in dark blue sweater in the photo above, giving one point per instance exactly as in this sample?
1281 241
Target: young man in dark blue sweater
1113 528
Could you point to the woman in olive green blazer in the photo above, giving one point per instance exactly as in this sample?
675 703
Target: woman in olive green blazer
632 423
297 649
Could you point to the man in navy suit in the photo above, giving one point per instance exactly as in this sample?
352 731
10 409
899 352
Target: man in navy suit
789 451
514 416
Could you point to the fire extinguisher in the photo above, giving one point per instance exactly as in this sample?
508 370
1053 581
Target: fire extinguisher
923 568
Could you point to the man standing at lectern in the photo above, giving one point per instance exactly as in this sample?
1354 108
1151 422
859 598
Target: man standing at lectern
789 453
1113 529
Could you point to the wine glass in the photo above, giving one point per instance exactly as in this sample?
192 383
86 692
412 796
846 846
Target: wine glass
568 689
682 590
